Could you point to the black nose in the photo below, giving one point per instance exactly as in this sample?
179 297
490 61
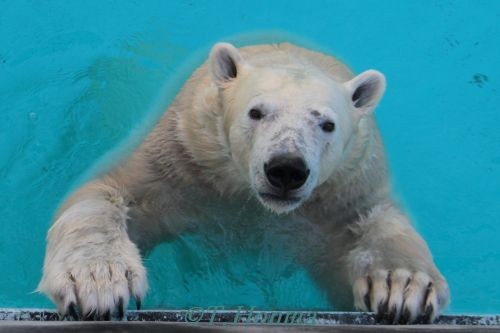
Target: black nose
286 172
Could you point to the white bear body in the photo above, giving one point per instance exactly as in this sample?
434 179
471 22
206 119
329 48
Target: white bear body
277 129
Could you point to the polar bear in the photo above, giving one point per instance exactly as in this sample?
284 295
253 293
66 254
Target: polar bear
285 128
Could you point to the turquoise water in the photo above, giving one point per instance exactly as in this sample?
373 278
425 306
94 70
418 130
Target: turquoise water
79 80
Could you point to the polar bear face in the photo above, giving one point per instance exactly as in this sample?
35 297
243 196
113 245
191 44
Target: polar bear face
288 127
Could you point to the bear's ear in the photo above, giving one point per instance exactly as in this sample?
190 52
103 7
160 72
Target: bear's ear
225 63
366 90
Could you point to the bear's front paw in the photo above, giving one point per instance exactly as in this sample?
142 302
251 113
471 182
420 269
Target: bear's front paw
95 283
400 296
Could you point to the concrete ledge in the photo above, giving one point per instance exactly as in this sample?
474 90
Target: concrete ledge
192 320
250 317
153 327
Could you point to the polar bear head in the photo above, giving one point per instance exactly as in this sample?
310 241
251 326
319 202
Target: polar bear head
288 124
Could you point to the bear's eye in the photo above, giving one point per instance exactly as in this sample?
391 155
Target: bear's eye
328 126
255 114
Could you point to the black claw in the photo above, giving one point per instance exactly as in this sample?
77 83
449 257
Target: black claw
121 310
384 308
106 316
367 302
388 280
392 314
138 303
405 317
428 291
381 311
367 296
72 311
89 316
428 314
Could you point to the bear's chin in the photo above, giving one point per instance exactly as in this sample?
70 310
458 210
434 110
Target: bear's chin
278 204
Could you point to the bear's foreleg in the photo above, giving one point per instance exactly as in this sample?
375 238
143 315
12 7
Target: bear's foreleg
391 269
91 265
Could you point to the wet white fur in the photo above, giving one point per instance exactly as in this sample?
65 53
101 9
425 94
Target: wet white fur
206 152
